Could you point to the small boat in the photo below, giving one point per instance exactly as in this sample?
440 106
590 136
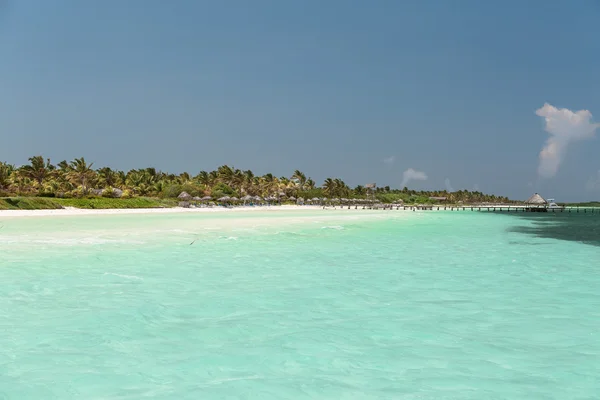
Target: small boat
552 205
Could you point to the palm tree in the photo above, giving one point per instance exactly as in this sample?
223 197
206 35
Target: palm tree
22 183
80 172
63 165
341 189
225 174
269 184
184 178
6 171
237 180
67 177
37 170
247 181
299 178
329 187
107 178
203 178
360 190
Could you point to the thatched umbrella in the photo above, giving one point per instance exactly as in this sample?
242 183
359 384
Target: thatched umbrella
292 198
234 199
247 198
185 196
196 198
258 198
536 199
206 198
224 199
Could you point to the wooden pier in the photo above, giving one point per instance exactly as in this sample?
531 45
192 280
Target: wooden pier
506 209
478 208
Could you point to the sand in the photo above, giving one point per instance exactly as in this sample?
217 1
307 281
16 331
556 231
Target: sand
71 211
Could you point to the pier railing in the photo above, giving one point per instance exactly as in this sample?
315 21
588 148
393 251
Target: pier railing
484 208
509 209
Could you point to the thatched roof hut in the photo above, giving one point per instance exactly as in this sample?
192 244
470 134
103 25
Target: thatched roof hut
184 196
536 199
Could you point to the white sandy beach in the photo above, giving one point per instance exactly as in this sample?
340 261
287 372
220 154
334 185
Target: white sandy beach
71 211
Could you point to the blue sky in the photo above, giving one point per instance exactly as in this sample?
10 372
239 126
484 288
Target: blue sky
333 88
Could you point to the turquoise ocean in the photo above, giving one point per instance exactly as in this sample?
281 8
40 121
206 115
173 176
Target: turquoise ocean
300 305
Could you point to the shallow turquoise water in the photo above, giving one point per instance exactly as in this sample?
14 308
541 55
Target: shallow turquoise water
324 305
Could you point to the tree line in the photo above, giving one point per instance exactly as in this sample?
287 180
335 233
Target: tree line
79 178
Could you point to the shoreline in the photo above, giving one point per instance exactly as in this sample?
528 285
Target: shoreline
72 211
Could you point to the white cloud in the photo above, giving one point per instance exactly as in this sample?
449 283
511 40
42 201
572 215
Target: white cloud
389 160
564 126
449 187
593 184
412 175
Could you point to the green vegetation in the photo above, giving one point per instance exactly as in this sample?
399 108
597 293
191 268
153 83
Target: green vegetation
40 184
105 203
28 203
43 203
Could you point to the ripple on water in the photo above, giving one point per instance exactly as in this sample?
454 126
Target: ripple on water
424 307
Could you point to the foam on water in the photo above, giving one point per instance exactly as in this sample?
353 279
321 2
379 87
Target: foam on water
358 305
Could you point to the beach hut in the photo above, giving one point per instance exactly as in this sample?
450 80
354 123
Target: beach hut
185 199
185 196
247 198
224 199
536 200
